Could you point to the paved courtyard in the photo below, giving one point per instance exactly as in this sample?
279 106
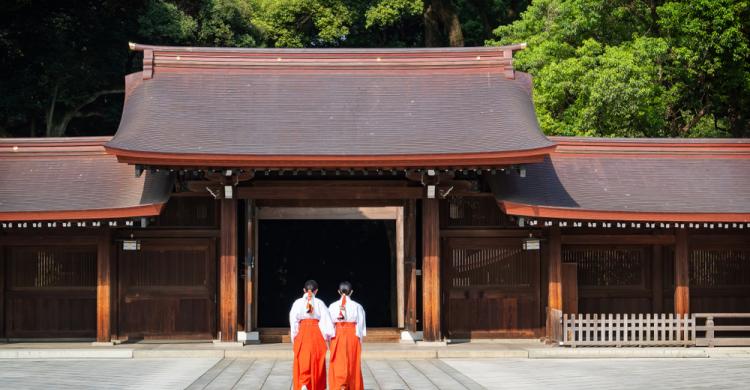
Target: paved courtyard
448 374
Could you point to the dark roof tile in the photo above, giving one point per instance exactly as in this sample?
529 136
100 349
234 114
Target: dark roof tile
73 178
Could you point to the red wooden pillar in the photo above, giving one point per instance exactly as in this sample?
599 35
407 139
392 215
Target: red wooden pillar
228 271
431 269
681 273
554 278
104 288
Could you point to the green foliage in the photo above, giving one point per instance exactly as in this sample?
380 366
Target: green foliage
303 23
210 23
387 13
601 67
226 23
165 23
58 56
622 68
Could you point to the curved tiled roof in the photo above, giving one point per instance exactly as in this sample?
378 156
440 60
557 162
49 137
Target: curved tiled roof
323 108
73 179
635 179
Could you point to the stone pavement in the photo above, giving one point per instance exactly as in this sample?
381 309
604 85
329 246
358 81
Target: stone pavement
412 374
262 374
562 374
20 374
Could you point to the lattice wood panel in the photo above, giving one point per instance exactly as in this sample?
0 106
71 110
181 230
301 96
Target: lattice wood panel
50 291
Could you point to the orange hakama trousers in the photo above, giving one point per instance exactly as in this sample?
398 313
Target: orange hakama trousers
345 371
309 367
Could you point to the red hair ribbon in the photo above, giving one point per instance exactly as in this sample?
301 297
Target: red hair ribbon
342 308
309 302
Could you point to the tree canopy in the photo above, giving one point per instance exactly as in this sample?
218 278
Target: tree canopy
600 67
634 68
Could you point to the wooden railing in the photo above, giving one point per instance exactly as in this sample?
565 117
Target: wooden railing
628 330
711 329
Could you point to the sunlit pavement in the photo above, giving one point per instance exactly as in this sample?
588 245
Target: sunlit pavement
449 374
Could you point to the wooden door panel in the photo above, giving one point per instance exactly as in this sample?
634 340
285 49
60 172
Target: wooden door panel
168 289
491 286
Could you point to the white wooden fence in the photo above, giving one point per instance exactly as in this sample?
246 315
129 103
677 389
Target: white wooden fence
627 330
711 328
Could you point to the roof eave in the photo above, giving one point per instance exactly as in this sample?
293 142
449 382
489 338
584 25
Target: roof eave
147 210
462 160
547 212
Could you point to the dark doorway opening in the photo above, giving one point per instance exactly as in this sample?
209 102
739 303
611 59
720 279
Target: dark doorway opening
329 251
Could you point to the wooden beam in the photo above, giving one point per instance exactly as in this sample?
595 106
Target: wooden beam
472 233
166 233
228 271
329 213
330 183
327 203
104 287
681 273
410 264
431 269
330 192
554 277
34 240
621 239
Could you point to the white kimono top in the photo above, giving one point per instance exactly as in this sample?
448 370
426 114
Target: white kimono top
354 313
320 313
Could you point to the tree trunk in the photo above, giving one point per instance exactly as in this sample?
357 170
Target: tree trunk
51 112
58 129
441 24
483 8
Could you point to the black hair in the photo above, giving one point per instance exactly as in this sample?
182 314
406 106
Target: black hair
345 287
311 285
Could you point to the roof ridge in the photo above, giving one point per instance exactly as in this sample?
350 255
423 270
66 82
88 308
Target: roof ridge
579 140
426 50
46 147
55 141
462 59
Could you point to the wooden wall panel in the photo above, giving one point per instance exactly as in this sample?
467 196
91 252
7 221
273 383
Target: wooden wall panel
472 212
612 278
431 270
570 288
720 274
50 291
491 287
189 211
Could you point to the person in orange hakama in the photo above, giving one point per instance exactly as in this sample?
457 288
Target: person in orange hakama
311 327
345 372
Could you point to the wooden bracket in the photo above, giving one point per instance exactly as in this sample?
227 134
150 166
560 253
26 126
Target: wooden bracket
148 64
509 71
